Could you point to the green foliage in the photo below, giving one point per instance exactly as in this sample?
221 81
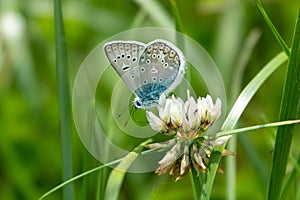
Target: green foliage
31 147
289 110
64 98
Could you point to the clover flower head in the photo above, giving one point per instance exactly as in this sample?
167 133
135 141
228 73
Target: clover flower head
186 121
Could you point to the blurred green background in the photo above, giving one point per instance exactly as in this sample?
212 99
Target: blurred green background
30 141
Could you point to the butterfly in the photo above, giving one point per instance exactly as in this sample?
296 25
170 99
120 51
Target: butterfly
149 70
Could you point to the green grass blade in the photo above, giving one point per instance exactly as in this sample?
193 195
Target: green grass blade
64 97
235 113
249 91
229 39
138 19
156 12
197 187
237 77
252 128
289 110
243 59
175 12
290 189
272 27
116 177
79 176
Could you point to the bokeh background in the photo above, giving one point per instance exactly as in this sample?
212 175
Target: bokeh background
30 141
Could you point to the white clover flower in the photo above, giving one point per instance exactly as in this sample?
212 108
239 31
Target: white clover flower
185 162
169 160
163 109
161 145
176 111
187 121
208 112
155 122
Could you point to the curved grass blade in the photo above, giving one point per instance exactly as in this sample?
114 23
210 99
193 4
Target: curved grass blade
247 49
90 172
273 29
116 177
78 177
235 113
157 13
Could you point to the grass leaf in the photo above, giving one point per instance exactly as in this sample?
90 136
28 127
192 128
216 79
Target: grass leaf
289 110
156 12
235 113
116 177
63 97
272 27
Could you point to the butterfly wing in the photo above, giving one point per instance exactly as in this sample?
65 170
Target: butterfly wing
161 63
124 57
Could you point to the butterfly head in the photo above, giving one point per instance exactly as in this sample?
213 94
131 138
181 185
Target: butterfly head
146 104
137 103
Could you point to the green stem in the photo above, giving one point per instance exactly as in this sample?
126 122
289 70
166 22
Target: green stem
252 128
63 97
289 110
94 170
272 27
80 176
196 184
176 15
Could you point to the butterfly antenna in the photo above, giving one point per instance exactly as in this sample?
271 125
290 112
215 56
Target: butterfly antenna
131 113
123 111
119 115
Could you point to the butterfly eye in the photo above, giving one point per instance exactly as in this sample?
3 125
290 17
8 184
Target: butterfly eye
148 61
142 69
118 57
138 104
153 55
160 80
154 78
123 55
132 76
166 65
128 57
134 59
